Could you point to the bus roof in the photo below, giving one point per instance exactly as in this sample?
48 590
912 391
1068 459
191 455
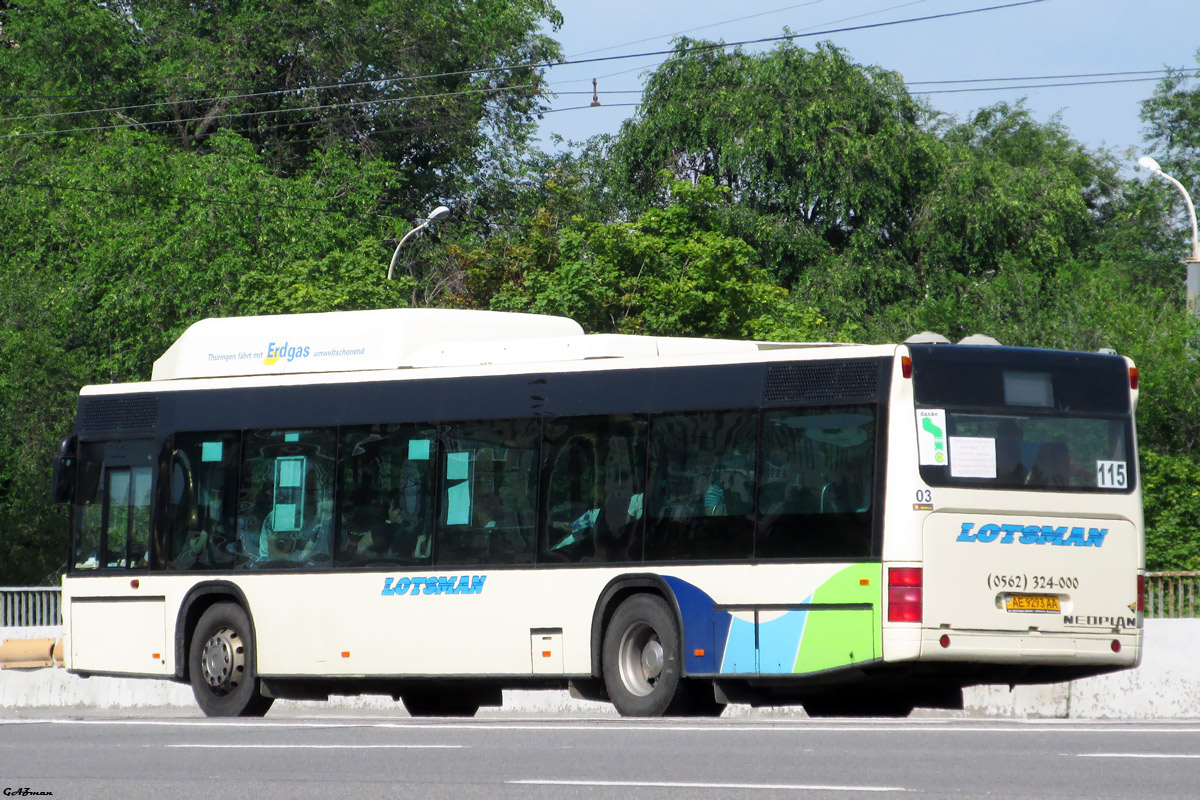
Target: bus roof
384 339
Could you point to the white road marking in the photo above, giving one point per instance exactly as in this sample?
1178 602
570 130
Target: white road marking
788 787
888 727
1138 755
313 746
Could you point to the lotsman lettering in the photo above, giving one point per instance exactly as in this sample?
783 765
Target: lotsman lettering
1076 539
1009 532
1031 534
1095 537
988 533
965 534
433 585
1051 535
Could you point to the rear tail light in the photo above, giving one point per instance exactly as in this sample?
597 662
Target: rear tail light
1141 590
1133 378
904 594
906 366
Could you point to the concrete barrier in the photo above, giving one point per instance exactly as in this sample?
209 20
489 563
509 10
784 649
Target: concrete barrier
1166 686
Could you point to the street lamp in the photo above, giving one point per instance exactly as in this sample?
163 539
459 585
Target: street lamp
437 212
1193 264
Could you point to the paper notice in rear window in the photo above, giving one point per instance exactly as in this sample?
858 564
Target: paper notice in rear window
972 457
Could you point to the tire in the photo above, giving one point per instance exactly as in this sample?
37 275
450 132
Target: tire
640 659
222 664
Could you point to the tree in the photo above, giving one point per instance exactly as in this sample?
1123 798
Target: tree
801 135
114 249
1172 117
669 272
432 88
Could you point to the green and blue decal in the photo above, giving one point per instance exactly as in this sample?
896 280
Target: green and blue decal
835 625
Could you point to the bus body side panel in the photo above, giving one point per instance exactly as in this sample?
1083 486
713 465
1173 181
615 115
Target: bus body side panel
736 621
111 628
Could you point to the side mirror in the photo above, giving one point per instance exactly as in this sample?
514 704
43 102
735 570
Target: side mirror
63 482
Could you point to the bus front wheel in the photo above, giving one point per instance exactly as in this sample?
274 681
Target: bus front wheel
641 660
221 664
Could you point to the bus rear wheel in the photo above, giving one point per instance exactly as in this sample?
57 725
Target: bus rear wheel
640 659
221 664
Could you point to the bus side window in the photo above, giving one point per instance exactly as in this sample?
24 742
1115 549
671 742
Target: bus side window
202 501
700 503
289 475
489 491
593 490
387 494
815 501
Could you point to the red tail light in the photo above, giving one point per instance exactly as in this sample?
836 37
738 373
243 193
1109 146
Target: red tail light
1133 378
904 594
1141 587
906 366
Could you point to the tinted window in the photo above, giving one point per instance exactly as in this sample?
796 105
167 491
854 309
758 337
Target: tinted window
1008 418
89 507
996 377
817 483
388 481
594 490
488 494
701 488
1013 451
287 488
203 526
112 511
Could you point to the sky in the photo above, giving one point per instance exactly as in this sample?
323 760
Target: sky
1047 38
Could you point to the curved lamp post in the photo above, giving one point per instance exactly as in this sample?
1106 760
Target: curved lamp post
437 212
1193 273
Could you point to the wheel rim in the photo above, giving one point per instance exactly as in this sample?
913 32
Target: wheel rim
640 659
223 661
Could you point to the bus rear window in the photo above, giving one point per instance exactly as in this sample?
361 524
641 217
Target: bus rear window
1005 418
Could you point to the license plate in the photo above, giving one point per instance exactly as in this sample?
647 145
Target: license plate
1037 603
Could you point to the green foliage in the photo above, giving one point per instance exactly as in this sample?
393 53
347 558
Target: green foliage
264 156
669 273
1171 495
791 132
1172 117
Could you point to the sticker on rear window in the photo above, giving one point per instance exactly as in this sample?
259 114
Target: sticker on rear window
931 436
1112 475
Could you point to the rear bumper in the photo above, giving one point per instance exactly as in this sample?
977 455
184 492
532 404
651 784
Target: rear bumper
1024 648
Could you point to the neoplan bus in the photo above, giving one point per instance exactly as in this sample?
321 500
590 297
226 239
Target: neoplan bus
439 505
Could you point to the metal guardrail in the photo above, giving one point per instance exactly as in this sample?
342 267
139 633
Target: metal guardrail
30 606
1172 595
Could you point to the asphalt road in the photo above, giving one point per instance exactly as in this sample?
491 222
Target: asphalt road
166 755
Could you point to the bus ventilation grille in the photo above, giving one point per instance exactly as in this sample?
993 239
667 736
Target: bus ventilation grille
821 381
118 415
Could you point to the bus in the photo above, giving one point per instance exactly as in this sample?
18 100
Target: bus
439 505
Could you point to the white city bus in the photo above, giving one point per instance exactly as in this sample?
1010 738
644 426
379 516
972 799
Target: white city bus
438 505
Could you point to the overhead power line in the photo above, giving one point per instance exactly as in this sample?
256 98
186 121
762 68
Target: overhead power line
543 64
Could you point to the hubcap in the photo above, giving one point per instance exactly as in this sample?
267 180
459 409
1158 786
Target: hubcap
223 661
640 659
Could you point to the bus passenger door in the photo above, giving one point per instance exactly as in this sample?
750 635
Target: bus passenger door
116 626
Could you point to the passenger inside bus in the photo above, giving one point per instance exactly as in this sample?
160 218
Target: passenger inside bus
298 534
